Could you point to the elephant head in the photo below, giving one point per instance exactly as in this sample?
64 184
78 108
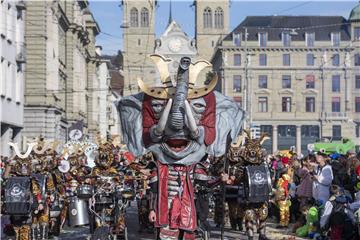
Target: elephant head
179 123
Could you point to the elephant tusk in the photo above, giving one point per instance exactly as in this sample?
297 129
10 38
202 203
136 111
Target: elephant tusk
191 120
163 119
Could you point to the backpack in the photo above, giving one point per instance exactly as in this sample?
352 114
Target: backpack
338 215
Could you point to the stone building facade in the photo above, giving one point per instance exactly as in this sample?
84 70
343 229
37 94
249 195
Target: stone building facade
61 81
297 77
12 65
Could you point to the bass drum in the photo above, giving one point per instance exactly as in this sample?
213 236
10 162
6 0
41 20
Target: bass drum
78 212
258 185
17 196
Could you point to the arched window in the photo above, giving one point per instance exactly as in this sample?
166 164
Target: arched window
134 17
144 22
207 18
219 18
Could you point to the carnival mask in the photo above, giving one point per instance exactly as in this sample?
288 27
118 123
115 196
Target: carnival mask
178 121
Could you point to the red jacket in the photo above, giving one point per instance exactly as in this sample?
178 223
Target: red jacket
182 214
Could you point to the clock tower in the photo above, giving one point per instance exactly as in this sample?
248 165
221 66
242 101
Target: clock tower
175 44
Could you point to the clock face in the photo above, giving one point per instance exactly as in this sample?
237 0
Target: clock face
175 45
75 134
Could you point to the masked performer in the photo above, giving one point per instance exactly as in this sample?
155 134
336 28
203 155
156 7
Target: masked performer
179 123
29 179
251 184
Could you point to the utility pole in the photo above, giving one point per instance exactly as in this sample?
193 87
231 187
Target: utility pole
246 87
322 114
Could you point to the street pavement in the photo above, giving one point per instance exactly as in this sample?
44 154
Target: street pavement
134 234
82 233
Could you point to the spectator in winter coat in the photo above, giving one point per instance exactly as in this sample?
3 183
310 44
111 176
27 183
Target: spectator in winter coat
304 189
322 179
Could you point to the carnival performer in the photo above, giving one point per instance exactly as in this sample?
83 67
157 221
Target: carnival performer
179 123
282 198
247 163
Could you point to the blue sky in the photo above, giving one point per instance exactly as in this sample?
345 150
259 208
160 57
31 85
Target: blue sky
108 14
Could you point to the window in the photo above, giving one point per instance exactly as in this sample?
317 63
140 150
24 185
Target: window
238 100
262 39
336 83
335 39
219 18
310 104
357 33
144 17
310 131
286 104
286 81
286 39
263 104
310 59
310 39
357 104
287 130
139 42
357 59
310 81
286 59
262 59
335 104
237 59
237 39
266 129
336 59
263 81
207 18
237 83
336 132
134 17
357 81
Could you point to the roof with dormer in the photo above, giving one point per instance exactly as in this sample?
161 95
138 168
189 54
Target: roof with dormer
322 26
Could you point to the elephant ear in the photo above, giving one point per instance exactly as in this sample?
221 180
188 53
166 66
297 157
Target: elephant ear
229 118
130 113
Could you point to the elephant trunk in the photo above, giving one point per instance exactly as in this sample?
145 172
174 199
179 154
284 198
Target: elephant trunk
177 114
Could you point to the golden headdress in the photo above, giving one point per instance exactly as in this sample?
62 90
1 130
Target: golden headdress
168 89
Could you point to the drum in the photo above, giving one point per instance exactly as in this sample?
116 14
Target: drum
85 191
258 184
78 212
17 197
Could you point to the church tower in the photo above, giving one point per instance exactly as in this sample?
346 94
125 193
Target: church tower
212 24
138 42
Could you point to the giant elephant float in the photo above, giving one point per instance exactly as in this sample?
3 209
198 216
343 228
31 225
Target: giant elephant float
180 123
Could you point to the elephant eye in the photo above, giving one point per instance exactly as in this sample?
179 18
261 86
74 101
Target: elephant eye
157 106
199 105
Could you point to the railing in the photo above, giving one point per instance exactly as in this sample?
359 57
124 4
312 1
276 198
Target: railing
334 116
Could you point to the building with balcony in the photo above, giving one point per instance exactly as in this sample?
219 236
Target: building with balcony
12 66
298 77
